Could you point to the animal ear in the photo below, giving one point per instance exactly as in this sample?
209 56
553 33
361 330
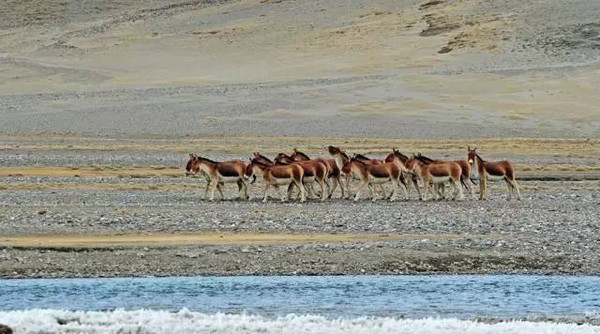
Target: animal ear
469 148
295 149
475 149
191 155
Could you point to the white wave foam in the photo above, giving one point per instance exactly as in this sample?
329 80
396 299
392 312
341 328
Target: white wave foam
155 322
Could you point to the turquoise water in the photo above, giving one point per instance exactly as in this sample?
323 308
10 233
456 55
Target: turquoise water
462 297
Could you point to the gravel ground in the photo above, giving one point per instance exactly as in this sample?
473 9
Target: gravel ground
553 230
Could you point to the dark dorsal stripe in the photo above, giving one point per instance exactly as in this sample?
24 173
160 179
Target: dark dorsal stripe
207 160
479 157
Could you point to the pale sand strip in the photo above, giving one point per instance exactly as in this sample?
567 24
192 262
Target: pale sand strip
169 240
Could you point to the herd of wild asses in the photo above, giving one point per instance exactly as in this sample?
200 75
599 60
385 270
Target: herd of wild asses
299 172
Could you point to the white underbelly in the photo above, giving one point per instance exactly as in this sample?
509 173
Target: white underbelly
439 179
379 180
228 179
495 177
280 182
308 179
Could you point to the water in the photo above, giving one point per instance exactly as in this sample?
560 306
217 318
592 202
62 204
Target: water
348 304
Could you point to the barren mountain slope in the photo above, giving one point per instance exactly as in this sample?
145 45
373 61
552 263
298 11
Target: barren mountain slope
361 68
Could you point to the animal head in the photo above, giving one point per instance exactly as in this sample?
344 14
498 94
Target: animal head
333 150
347 168
471 154
412 163
299 156
249 171
283 159
256 156
396 154
191 167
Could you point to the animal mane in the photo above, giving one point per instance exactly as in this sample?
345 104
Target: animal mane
256 162
426 158
400 154
264 157
302 154
284 155
425 161
344 155
358 160
360 156
478 156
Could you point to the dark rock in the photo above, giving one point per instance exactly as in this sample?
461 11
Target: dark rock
5 329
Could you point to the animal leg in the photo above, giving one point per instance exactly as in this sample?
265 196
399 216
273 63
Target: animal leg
509 188
240 187
394 190
300 185
338 182
439 191
516 186
214 186
322 184
415 181
426 186
360 187
382 191
282 193
372 192
206 189
482 185
348 186
328 186
290 190
334 185
266 191
458 191
310 189
245 184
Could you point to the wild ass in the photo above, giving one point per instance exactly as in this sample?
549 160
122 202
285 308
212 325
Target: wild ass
341 158
493 170
465 166
191 168
333 171
436 173
314 171
219 173
396 154
277 175
376 174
